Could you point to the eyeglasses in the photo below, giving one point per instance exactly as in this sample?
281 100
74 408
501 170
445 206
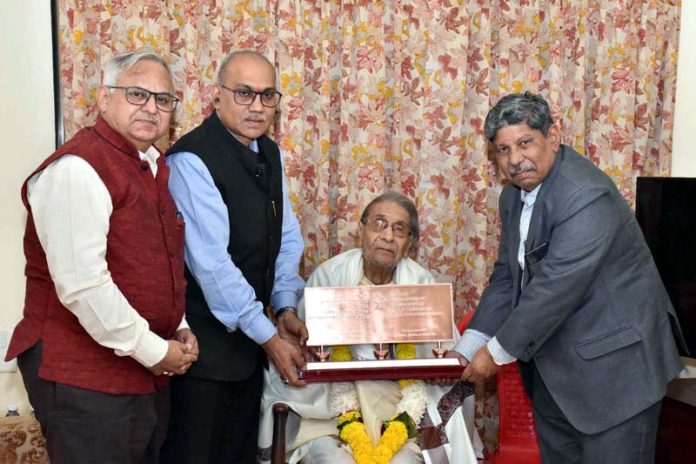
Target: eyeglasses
269 98
139 96
378 224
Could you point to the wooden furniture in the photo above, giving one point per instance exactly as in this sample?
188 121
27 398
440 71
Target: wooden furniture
280 419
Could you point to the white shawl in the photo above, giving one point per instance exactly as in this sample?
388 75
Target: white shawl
311 415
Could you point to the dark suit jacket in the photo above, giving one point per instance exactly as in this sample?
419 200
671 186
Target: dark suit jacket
593 314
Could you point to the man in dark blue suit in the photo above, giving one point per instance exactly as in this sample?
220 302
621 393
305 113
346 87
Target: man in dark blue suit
574 296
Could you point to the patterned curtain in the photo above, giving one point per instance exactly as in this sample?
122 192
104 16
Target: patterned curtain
392 95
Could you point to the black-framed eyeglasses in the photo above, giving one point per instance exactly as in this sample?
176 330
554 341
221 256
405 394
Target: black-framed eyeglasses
269 98
379 223
139 96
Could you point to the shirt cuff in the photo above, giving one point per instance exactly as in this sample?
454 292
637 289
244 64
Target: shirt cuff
260 329
470 343
500 356
150 351
183 324
284 298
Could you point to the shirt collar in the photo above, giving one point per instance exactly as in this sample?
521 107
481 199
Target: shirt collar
253 145
528 198
150 155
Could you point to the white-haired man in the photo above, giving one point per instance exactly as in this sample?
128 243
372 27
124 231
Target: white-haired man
103 316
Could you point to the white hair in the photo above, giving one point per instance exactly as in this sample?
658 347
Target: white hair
119 64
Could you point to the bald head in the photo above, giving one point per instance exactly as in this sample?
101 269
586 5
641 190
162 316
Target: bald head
234 58
246 97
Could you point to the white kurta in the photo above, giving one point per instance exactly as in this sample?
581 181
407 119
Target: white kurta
311 414
71 208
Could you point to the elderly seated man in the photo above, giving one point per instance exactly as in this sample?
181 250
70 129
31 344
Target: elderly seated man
388 230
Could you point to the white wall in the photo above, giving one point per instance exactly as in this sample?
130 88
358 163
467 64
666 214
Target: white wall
26 125
27 128
683 157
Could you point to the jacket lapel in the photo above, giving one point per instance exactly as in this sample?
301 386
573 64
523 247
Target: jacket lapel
513 244
536 234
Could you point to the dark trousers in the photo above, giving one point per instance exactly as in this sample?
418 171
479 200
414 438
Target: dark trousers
85 426
213 422
630 442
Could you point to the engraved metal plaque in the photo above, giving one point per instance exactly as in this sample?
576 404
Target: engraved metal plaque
379 314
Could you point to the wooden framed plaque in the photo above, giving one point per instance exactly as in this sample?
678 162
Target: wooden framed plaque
388 369
380 315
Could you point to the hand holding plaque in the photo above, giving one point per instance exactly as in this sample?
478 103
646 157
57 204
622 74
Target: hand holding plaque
380 315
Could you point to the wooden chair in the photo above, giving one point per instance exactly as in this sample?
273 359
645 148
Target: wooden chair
280 419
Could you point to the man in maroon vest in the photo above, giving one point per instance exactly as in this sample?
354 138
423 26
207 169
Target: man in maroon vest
103 324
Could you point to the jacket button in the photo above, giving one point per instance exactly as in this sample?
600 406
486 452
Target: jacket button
144 166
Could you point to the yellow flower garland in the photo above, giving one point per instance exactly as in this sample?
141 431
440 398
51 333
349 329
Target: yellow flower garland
341 353
396 432
405 351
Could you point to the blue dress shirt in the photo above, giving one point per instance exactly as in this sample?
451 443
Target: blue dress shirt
230 297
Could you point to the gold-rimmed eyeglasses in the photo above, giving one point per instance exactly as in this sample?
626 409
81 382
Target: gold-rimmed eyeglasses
139 96
269 98
379 223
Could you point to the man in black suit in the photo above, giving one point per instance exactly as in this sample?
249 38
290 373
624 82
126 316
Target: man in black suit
574 297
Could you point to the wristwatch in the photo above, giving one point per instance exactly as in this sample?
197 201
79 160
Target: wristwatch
284 310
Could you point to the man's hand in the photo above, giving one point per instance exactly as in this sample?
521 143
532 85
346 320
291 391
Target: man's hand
187 337
445 381
176 361
481 367
287 358
293 330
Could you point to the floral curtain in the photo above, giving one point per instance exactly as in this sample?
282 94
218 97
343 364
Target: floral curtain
393 94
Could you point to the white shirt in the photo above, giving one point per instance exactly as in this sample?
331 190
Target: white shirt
528 198
473 339
71 208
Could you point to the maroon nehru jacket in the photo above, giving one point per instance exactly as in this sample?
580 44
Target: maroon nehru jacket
145 257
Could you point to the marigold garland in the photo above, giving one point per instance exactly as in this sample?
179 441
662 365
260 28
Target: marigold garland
395 432
341 353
